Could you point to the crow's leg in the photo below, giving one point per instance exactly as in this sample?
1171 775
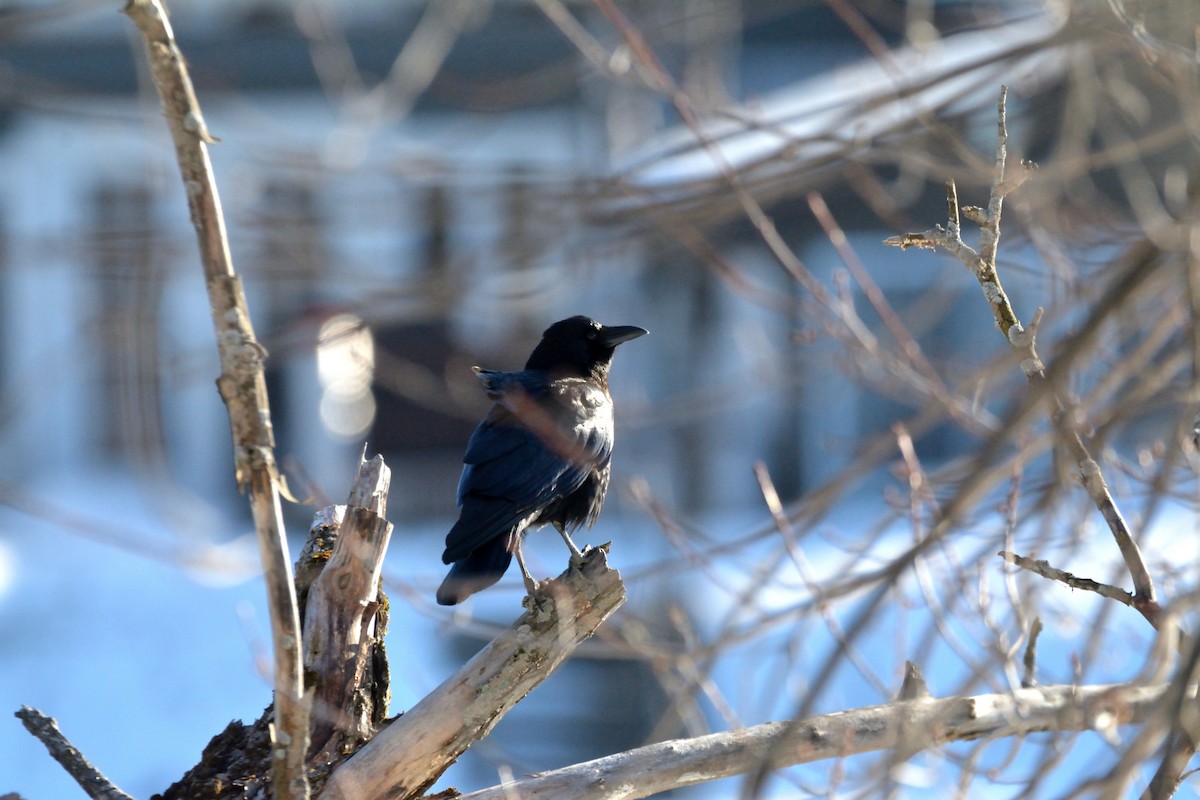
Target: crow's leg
531 586
576 555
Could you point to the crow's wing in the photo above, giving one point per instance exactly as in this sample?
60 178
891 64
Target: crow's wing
511 473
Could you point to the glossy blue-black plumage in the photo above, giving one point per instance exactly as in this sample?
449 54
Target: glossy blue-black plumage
541 455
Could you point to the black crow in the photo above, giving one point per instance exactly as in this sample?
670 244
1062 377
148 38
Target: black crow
541 455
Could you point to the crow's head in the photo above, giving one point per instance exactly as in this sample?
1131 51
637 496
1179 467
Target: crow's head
580 346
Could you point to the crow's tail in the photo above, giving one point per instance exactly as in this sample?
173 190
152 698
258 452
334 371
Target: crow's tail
478 570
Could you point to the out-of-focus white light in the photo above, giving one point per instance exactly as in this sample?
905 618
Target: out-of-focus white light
345 355
8 571
347 417
345 367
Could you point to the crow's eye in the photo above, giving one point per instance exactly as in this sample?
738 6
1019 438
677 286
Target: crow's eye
591 334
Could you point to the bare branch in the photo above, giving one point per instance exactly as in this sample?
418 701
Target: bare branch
414 750
242 385
1172 730
575 32
1043 568
91 780
1178 62
1179 749
914 725
1024 343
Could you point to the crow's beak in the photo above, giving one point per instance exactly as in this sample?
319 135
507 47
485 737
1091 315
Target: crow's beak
615 335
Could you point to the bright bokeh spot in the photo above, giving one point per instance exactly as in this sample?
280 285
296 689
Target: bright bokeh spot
345 367
8 560
347 416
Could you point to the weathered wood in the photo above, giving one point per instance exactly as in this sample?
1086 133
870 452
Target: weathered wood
406 757
906 726
342 634
348 615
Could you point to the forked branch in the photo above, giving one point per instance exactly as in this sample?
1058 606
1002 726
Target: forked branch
1023 340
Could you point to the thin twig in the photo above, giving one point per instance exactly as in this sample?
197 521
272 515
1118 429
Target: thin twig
1043 568
1030 661
90 779
909 347
811 583
242 386
577 34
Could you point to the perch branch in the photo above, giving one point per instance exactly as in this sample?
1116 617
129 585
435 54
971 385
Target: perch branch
242 386
1024 343
912 725
406 757
90 779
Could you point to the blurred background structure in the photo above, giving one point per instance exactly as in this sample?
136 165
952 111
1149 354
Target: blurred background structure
415 187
